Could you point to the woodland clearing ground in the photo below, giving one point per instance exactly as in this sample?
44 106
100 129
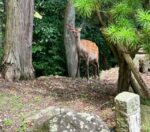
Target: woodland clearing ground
21 98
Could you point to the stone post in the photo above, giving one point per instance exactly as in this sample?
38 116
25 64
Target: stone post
127 106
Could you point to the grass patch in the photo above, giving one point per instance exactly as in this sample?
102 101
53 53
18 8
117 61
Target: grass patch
146 127
145 102
7 122
23 126
145 114
9 101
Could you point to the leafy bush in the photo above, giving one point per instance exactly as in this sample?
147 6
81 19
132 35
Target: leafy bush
48 47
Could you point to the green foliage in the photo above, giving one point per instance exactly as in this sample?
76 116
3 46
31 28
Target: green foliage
1 9
86 7
121 10
122 35
48 47
143 17
145 116
123 29
135 4
129 23
145 101
11 101
23 126
8 122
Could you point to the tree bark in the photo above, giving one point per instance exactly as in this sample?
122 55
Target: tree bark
136 87
17 62
1 23
124 76
69 40
102 23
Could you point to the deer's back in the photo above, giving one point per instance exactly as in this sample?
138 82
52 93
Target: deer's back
90 48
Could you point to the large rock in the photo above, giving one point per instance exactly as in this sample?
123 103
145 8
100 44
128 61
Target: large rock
61 120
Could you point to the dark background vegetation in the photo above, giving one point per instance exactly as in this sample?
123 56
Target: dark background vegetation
48 45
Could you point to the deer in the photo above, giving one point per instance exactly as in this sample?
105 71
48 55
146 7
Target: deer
86 50
141 66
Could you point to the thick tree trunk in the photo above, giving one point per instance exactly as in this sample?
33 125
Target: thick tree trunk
124 76
135 71
1 24
69 40
17 63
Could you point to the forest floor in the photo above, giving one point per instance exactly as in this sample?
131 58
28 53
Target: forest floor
18 99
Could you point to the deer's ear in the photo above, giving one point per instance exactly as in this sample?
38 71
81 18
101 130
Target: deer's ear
79 29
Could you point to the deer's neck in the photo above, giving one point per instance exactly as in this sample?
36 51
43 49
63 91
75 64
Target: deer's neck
78 42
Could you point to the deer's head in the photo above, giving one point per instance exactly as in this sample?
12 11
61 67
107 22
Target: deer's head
76 31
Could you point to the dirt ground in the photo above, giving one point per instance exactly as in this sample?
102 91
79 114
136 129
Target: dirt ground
17 99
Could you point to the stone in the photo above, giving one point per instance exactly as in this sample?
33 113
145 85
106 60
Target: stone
55 119
127 106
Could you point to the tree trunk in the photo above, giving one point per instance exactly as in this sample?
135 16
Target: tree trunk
136 87
1 24
124 76
135 71
69 40
125 71
17 62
